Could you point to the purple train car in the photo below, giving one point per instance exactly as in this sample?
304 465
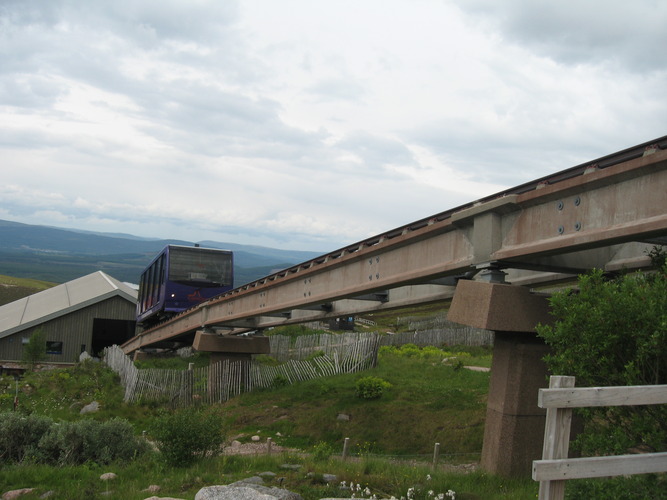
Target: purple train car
181 277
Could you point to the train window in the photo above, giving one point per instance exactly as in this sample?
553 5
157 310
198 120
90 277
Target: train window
142 291
201 266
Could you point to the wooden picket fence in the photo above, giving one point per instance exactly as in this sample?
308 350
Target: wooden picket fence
303 358
226 379
555 468
284 348
468 336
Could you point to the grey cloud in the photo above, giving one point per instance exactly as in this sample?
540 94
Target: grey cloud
339 89
376 152
144 21
30 91
583 32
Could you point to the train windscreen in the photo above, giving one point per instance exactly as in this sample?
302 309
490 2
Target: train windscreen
202 267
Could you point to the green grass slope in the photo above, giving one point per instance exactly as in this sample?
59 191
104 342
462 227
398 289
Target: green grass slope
428 401
12 289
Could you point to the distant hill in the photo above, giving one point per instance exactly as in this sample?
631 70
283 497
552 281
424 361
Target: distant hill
12 289
59 255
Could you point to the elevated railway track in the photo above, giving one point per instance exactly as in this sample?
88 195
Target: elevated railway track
604 213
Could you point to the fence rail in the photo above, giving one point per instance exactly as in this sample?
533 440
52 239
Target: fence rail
226 379
303 358
555 468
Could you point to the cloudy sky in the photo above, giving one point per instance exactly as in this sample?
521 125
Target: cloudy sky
306 124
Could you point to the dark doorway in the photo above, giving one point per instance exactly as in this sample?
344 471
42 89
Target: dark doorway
107 332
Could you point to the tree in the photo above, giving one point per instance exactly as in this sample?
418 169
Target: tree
613 332
35 350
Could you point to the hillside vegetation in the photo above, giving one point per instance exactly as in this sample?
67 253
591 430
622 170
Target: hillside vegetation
60 255
12 289
426 400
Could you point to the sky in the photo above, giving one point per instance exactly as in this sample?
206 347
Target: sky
305 124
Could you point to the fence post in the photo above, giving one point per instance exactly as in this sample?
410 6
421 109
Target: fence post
269 441
436 454
346 445
556 439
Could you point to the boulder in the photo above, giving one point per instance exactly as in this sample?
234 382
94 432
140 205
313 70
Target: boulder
90 408
10 495
242 490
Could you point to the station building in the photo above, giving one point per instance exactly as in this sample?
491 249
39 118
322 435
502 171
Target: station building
85 314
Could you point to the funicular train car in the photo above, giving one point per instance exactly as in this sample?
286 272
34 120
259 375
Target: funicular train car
181 277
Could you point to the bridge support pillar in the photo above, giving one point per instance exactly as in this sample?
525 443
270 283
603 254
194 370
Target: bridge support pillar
514 428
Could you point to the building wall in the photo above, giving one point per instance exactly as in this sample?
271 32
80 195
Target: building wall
74 330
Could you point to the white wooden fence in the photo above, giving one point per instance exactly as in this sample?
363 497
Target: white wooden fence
450 336
555 468
284 348
226 379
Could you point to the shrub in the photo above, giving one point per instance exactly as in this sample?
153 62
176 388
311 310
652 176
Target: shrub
75 443
40 439
35 350
322 451
20 435
371 387
613 332
279 381
186 435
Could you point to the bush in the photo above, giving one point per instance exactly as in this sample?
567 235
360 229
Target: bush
75 443
619 488
371 387
279 381
322 452
35 350
184 436
613 333
40 439
20 435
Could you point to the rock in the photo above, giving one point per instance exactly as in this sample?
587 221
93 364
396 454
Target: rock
290 466
47 494
268 474
84 356
236 444
327 478
248 481
16 493
163 498
244 491
107 476
255 438
343 416
90 408
153 488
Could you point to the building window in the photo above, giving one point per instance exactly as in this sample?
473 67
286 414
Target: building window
54 347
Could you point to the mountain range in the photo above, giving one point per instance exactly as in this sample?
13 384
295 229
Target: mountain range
59 255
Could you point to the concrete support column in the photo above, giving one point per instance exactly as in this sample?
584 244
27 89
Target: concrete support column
514 427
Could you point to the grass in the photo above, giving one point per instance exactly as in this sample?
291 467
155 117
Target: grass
12 288
428 402
383 478
392 437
